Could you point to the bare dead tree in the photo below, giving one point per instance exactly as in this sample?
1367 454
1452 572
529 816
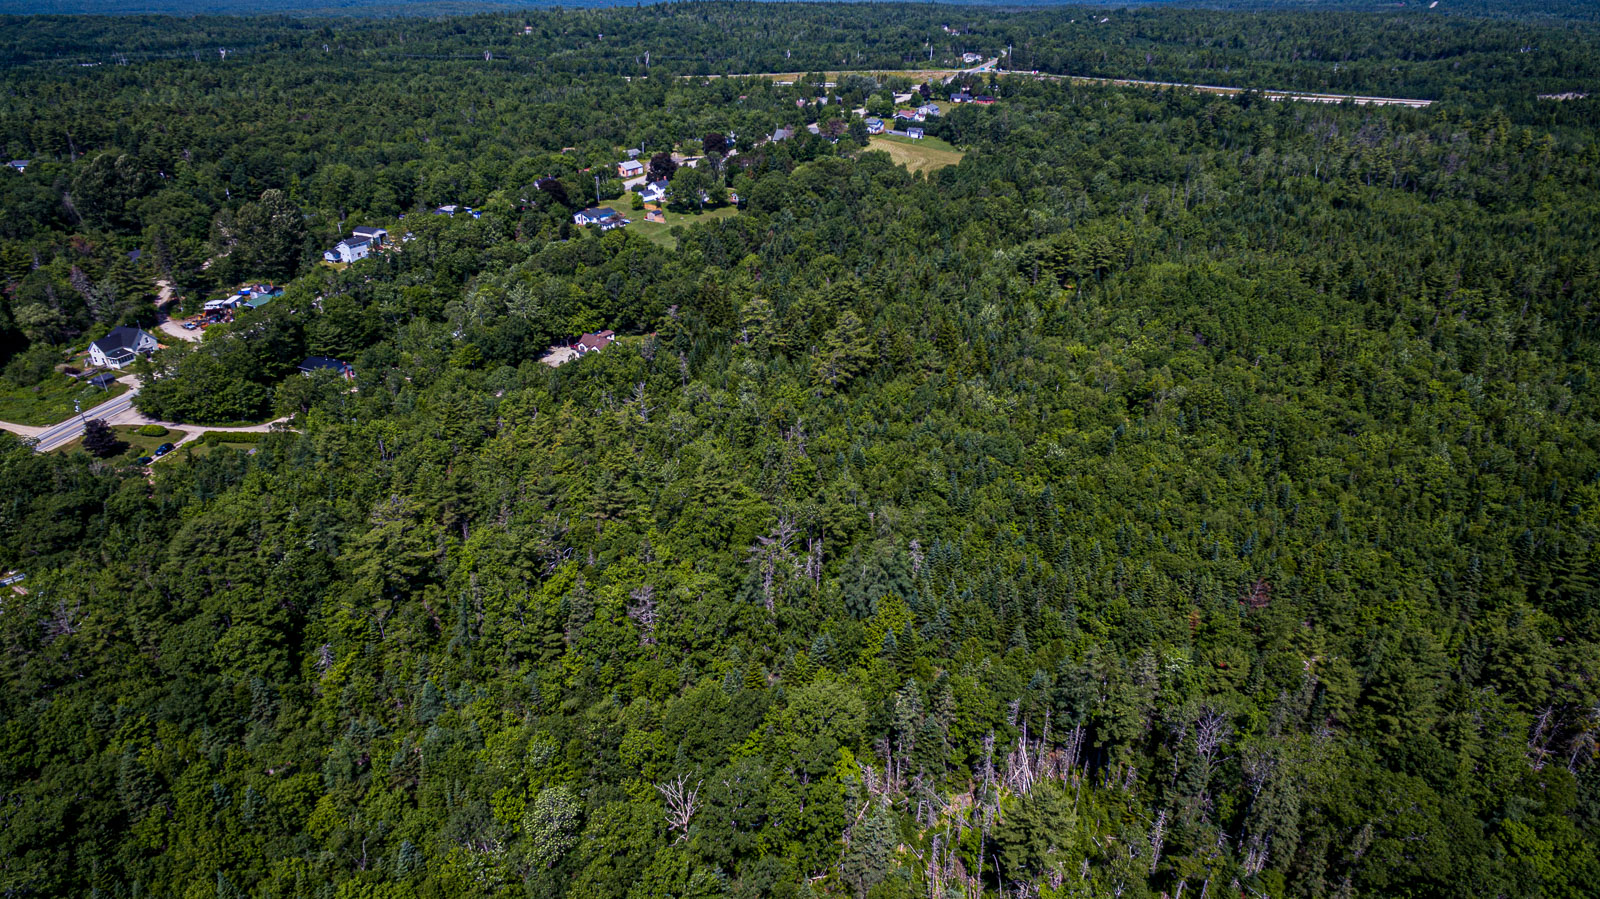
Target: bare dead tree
1259 764
1158 835
916 557
768 552
1211 733
63 620
989 804
1257 596
639 399
1020 773
643 612
1544 729
1255 855
682 802
813 565
1074 747
324 657
1583 746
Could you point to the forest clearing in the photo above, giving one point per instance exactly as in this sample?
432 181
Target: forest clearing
928 154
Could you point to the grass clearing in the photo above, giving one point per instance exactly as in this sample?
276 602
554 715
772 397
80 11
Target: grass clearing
199 450
50 401
660 233
927 155
138 444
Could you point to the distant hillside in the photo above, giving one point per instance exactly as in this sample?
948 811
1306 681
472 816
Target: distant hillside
1521 9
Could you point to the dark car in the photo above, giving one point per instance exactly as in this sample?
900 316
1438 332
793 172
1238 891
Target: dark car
163 449
143 460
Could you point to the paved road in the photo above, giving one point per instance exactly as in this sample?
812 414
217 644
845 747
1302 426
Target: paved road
119 411
63 433
992 66
1357 99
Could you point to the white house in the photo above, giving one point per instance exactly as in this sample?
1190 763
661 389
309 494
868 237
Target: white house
376 236
20 165
654 192
915 133
348 251
604 216
120 347
874 126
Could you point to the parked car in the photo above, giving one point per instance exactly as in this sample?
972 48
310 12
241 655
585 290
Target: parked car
143 460
163 449
190 326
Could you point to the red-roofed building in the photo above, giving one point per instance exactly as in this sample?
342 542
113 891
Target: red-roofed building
589 343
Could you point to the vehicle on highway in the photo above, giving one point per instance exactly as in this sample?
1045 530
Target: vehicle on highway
163 449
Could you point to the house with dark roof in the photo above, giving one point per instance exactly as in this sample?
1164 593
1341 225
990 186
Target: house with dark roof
349 250
960 97
375 236
874 126
983 100
782 134
915 133
604 216
121 347
654 192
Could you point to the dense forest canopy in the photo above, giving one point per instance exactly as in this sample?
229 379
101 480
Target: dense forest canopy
1523 9
1180 494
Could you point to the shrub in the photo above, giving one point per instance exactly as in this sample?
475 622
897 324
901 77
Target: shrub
153 431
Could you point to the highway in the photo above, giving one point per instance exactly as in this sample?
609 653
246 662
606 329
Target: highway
1358 99
992 67
58 435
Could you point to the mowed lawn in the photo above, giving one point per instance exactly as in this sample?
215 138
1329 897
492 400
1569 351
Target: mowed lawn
926 155
660 233
138 444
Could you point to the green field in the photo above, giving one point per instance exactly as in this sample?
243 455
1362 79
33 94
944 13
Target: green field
660 233
50 401
927 155
198 449
138 444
